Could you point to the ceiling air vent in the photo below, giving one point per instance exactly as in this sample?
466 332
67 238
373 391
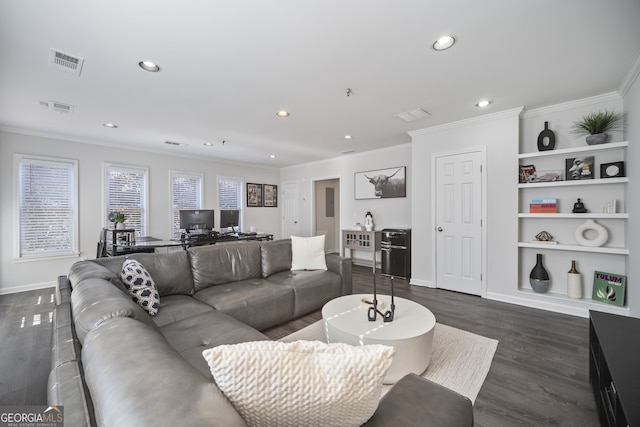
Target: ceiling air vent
413 115
66 62
60 107
174 143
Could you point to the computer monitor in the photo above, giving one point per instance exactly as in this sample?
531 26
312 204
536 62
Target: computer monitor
199 220
230 218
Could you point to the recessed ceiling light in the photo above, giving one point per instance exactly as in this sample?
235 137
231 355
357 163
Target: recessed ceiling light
444 42
208 144
348 137
282 113
272 156
483 103
110 125
149 66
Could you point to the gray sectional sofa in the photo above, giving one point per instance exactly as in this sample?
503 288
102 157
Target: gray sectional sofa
114 365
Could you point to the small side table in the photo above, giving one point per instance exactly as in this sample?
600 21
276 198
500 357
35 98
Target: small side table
360 240
123 235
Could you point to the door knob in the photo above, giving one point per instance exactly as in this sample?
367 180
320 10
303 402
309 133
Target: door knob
439 229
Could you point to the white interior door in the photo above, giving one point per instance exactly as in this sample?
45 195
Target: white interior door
459 222
290 209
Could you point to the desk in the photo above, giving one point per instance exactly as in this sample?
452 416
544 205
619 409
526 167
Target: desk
150 244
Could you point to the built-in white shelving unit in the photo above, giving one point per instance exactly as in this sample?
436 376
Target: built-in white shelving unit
595 193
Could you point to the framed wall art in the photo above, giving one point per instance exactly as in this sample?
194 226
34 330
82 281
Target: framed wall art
381 183
270 194
254 195
580 168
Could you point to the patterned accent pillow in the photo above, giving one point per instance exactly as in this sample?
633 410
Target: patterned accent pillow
302 383
140 286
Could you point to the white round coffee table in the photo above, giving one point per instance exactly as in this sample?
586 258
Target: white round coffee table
410 332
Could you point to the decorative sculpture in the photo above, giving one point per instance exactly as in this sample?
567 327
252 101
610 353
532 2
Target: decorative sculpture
578 207
372 313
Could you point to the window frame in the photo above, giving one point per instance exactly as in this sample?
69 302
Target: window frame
240 207
71 164
177 173
105 188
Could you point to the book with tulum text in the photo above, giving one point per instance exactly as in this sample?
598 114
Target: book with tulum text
609 288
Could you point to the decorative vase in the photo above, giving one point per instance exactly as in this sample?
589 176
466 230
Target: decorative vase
601 234
574 282
546 139
598 138
119 225
539 278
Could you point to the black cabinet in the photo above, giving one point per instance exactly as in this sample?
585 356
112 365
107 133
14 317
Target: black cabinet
395 247
614 368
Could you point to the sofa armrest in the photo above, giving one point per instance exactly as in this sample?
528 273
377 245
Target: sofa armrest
342 266
416 401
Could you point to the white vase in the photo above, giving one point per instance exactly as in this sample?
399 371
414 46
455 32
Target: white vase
599 240
119 225
574 282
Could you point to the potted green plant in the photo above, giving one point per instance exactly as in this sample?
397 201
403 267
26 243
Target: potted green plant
119 220
596 125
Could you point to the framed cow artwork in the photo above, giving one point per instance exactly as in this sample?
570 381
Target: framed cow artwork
381 183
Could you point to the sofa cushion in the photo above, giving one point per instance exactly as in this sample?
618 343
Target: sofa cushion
257 302
95 300
432 405
217 264
65 347
67 388
190 336
137 379
82 270
276 256
140 286
174 308
311 289
302 383
307 253
171 271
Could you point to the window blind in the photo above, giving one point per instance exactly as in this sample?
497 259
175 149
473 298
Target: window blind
230 194
47 207
126 192
186 193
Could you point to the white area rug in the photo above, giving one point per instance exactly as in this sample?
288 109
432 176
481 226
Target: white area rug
460 360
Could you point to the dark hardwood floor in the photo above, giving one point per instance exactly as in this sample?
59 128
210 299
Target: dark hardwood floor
539 375
25 341
540 372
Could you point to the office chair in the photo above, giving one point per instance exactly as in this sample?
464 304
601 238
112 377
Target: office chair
102 244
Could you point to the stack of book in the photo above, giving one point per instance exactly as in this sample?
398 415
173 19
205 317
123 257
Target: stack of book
543 206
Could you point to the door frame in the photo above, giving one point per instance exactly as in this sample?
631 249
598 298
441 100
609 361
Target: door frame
483 211
338 213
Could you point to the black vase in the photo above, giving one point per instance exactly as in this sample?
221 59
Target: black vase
539 278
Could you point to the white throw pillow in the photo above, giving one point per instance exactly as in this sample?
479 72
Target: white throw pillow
302 383
307 253
140 286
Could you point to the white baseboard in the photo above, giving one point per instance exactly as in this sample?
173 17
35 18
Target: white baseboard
542 305
29 287
419 282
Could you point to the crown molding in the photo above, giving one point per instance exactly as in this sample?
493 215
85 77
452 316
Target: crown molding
598 99
468 122
631 77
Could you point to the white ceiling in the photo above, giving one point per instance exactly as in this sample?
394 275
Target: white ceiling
228 67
